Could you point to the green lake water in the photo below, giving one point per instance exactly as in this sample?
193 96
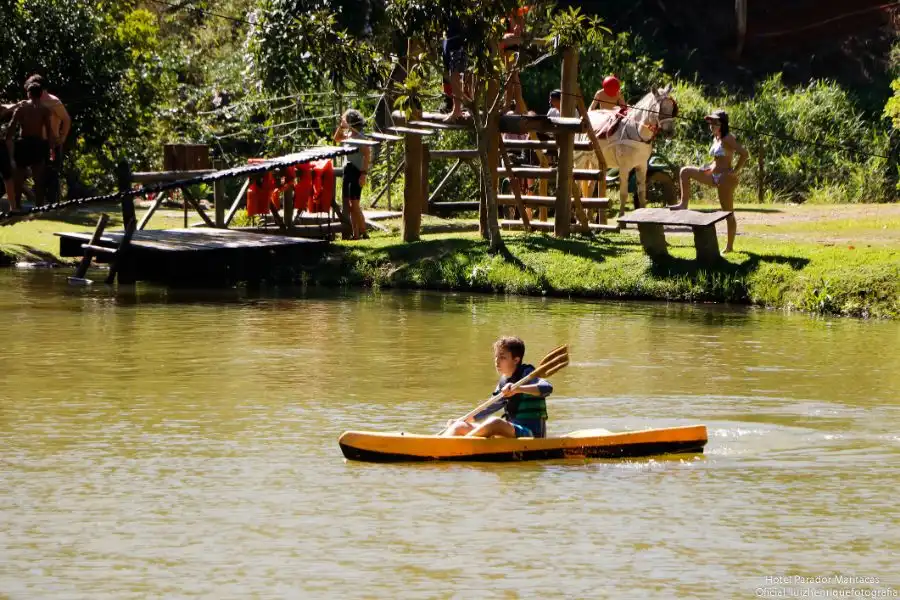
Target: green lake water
184 445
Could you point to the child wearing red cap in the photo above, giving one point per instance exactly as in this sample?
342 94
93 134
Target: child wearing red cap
609 97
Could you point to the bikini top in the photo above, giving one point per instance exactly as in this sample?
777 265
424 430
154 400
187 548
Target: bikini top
717 149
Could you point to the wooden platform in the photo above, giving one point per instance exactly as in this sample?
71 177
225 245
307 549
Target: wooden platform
203 257
515 225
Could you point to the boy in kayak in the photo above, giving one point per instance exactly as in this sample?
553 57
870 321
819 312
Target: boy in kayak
525 412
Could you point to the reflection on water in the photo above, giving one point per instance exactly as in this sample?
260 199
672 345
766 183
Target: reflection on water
184 445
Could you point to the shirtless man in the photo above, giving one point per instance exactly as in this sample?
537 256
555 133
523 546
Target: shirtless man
61 124
32 149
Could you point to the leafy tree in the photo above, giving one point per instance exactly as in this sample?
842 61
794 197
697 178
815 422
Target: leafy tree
100 58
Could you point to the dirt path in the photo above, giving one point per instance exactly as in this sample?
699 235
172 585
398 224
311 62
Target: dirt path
823 223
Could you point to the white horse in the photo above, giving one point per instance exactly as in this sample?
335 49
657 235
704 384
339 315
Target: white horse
631 142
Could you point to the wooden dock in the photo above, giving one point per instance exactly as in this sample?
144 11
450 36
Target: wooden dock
201 257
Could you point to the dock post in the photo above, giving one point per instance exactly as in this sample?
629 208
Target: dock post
219 195
124 181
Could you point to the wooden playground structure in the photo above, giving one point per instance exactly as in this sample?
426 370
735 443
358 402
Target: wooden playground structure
217 252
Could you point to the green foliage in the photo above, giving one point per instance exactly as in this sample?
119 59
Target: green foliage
572 28
100 59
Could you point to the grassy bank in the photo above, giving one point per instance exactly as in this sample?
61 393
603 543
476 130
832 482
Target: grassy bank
858 278
793 258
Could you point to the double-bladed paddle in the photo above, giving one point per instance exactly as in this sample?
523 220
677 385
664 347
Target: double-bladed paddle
556 359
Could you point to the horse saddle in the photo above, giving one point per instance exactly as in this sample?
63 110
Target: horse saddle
608 123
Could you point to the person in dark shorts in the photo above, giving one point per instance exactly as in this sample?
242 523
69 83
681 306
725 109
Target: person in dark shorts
32 149
61 123
355 170
455 63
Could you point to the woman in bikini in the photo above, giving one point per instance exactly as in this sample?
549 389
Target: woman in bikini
719 173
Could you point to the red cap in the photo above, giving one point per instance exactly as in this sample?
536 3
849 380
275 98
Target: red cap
611 86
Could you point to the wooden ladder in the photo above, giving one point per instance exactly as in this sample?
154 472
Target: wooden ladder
93 248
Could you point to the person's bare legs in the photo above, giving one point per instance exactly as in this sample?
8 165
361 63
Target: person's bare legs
456 89
685 176
10 186
458 429
38 173
727 186
495 426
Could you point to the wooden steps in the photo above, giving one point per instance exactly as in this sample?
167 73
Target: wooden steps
541 145
536 225
384 137
550 201
411 131
442 126
550 173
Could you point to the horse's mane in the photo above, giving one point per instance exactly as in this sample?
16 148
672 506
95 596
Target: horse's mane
642 111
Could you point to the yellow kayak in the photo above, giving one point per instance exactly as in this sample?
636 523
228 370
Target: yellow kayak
589 443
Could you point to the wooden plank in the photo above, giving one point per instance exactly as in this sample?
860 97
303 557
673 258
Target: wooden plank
122 265
542 123
360 142
462 154
157 202
420 124
100 249
443 182
219 195
189 197
192 240
548 226
514 183
542 145
411 131
168 176
82 269
451 207
238 200
664 216
550 201
384 137
550 173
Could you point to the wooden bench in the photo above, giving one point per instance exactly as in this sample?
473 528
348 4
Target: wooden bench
650 222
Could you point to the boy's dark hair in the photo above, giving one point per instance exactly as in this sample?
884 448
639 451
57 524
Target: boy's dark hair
355 119
515 346
34 90
556 94
36 78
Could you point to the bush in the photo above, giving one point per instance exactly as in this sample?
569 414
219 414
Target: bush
817 145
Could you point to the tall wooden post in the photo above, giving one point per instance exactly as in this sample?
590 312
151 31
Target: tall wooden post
219 195
492 135
412 186
565 145
124 181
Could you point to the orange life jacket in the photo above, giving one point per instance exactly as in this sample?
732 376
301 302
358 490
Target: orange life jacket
303 186
323 186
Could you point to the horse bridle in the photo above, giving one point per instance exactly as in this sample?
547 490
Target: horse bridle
655 127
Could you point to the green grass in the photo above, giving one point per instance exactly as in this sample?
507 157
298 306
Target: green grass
795 276
859 279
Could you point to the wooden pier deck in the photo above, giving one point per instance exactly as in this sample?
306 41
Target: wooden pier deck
199 256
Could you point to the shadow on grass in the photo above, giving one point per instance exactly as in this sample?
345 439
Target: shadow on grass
598 249
672 266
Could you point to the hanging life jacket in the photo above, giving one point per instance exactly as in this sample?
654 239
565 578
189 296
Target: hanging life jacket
323 186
